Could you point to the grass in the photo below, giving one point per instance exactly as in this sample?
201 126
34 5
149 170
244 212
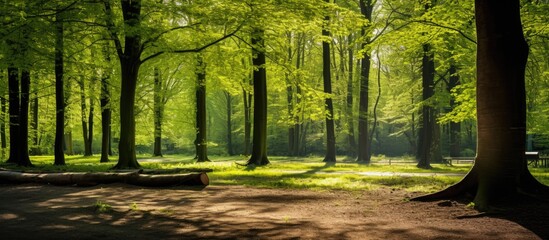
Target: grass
289 172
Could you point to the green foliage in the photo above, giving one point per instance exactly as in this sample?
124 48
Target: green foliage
102 207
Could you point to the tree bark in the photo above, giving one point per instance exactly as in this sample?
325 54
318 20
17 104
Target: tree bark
158 113
500 172
105 113
13 88
83 107
366 8
35 149
59 155
259 141
426 141
3 109
247 99
229 100
23 144
201 141
352 150
327 76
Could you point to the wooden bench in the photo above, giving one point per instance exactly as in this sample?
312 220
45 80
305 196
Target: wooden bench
535 160
458 160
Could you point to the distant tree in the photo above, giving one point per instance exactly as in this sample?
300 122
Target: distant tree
201 141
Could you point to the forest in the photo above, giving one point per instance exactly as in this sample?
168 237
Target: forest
367 101
346 78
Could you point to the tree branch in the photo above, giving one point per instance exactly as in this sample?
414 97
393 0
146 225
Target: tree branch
199 49
110 28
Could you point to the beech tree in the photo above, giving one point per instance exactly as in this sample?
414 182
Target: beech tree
500 172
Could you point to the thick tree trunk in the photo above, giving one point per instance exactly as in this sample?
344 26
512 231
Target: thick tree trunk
366 9
426 140
500 171
259 144
13 88
158 114
327 76
201 141
23 144
126 144
59 155
130 62
90 179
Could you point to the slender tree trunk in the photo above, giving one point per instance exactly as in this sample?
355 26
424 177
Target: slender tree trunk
67 138
35 149
352 151
3 109
327 76
366 9
247 98
105 115
158 113
83 106
201 141
13 85
500 172
455 127
259 147
90 117
229 100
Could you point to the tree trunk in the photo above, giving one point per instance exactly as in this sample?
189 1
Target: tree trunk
23 144
229 98
455 127
59 154
35 149
247 98
130 62
366 9
105 112
352 150
201 141
86 137
500 172
259 144
426 141
126 144
158 113
13 88
3 103
327 76
90 117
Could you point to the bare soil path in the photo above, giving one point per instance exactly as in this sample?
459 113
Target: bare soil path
32 211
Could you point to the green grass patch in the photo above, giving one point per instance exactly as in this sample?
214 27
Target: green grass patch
288 172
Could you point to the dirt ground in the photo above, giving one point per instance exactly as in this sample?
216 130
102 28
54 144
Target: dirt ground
33 211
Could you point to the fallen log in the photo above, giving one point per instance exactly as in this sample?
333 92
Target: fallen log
90 179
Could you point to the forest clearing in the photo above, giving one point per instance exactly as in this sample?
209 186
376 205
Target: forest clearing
315 119
290 199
